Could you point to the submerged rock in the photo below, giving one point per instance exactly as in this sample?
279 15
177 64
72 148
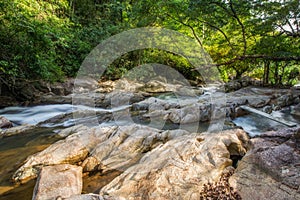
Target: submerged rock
57 182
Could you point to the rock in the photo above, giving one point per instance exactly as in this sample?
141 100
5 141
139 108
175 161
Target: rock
127 145
178 168
73 129
6 101
25 91
106 86
153 103
58 90
267 109
18 130
259 102
275 107
90 164
285 100
295 110
155 86
270 170
59 181
189 114
245 81
121 98
72 150
55 99
85 84
232 86
297 86
5 123
89 197
240 112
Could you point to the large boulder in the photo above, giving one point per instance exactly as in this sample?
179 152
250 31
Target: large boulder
72 150
127 146
179 168
59 181
270 170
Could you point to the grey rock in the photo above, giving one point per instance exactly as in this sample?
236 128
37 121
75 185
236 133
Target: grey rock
270 170
267 109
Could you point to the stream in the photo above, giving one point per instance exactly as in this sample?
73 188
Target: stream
14 150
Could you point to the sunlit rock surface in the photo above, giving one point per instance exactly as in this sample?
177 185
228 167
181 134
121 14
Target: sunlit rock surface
59 181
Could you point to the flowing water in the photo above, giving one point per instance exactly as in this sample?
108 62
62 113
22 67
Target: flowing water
254 125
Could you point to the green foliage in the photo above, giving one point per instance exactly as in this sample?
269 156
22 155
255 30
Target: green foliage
49 39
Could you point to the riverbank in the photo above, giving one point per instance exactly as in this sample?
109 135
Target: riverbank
150 141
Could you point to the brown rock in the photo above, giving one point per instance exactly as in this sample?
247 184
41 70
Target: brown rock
59 181
178 168
73 149
5 123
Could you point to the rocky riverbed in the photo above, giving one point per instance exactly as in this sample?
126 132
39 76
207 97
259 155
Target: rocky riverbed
152 141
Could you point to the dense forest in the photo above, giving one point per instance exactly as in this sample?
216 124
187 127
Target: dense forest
49 39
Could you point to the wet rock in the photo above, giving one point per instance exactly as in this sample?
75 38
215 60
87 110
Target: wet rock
59 181
276 108
5 123
297 100
240 112
295 110
270 170
267 109
297 86
17 130
178 168
285 100
72 150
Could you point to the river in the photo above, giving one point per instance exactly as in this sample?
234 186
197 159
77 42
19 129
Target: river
14 150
